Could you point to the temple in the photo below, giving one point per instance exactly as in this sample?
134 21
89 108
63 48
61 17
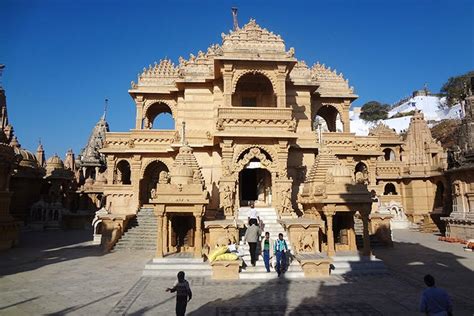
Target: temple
257 124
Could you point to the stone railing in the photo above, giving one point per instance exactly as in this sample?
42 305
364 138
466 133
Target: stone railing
342 142
389 169
255 117
140 138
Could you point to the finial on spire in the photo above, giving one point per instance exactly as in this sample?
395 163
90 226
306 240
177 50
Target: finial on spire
183 132
106 104
234 17
2 66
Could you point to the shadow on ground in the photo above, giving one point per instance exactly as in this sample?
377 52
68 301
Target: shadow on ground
37 249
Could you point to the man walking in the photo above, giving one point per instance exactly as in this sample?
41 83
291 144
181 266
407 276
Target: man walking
435 301
183 294
251 236
280 253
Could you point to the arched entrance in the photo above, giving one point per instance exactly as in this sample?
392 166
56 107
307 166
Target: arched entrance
150 179
255 184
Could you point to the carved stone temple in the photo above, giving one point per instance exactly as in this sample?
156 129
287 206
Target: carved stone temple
460 223
247 118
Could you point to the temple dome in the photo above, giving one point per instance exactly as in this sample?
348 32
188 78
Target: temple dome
341 174
54 162
28 159
182 174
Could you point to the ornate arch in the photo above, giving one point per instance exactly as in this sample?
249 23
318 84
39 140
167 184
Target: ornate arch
149 162
171 104
254 152
242 72
269 151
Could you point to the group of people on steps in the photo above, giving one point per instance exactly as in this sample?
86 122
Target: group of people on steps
269 248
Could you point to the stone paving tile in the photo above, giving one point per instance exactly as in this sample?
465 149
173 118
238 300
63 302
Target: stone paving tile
40 277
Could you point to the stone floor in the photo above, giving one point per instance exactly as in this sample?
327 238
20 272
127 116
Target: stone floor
61 273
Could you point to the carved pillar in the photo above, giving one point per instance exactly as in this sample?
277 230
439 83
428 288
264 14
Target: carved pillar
281 86
330 211
110 169
345 116
139 118
366 235
226 178
135 166
198 236
165 234
372 170
227 78
159 236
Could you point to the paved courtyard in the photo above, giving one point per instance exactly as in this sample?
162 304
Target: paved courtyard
60 273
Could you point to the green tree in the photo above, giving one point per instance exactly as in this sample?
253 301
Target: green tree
455 88
374 111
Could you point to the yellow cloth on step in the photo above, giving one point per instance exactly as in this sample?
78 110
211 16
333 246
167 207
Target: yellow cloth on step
216 252
227 257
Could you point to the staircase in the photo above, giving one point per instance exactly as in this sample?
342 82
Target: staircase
141 232
269 218
350 263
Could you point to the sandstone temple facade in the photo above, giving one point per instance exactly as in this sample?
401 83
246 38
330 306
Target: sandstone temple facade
247 116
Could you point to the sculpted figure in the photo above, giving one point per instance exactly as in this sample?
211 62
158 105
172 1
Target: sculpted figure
306 243
286 201
227 200
163 178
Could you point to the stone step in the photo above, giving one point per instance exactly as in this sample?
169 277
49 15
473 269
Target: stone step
172 265
271 275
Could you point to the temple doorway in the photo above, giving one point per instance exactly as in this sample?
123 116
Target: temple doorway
182 233
255 184
344 234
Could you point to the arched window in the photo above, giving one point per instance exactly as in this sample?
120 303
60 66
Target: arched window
390 189
150 180
329 118
159 116
254 90
361 173
389 154
122 173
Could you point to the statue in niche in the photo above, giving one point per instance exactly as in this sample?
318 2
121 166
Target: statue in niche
163 178
285 196
227 200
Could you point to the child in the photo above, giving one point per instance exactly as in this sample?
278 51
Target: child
267 250
280 252
183 291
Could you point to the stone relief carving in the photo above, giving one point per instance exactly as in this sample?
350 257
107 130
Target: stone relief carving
306 243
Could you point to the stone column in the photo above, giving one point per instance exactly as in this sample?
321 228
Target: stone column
198 236
139 118
159 236
135 166
281 86
366 251
165 234
345 116
330 211
227 78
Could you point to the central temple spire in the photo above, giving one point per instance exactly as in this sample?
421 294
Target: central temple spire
234 16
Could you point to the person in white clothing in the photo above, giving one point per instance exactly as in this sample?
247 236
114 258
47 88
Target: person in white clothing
253 213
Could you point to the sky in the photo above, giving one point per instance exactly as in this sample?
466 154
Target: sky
64 57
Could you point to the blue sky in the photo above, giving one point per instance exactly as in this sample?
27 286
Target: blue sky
64 57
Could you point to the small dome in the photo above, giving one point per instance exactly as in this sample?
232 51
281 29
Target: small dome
27 157
341 173
54 162
182 174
